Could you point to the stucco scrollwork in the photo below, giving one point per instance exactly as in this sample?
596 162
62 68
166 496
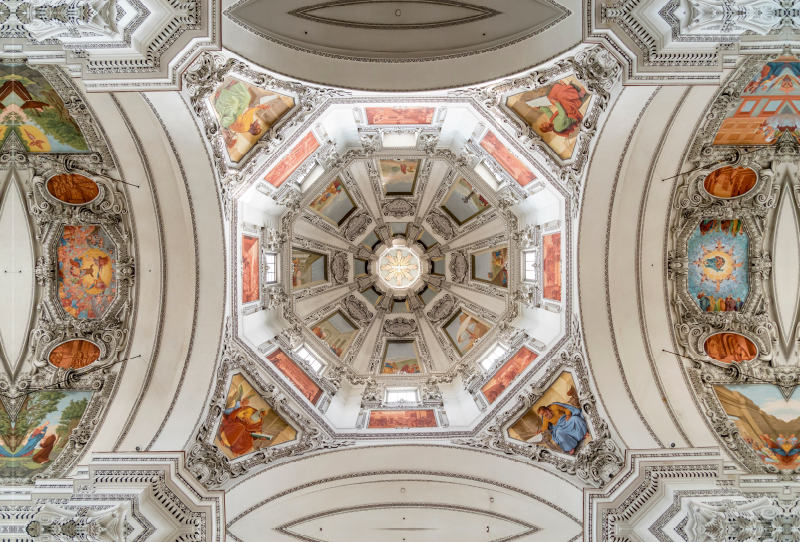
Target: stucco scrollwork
441 309
207 462
459 266
357 309
398 208
399 327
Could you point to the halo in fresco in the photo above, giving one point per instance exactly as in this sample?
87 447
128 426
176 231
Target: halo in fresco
718 275
87 260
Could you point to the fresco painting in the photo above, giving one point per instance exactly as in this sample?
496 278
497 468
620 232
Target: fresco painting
296 375
464 329
308 268
33 110
248 422
551 266
462 203
718 270
768 107
730 347
245 113
513 165
491 266
38 434
292 161
767 422
334 204
249 269
400 357
399 177
74 354
554 112
87 262
73 188
337 331
556 420
398 115
504 376
730 182
390 419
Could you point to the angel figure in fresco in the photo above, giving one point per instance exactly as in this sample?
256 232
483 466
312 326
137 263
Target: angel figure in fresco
569 428
567 99
240 426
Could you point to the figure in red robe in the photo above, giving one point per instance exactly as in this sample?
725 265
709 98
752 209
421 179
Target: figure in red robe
567 98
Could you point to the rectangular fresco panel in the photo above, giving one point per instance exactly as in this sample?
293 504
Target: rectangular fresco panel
308 268
491 266
34 439
335 204
462 203
33 110
379 419
513 165
463 329
555 112
292 161
555 420
248 422
399 177
768 106
400 357
718 275
767 422
245 113
296 375
249 268
87 261
337 332
392 115
507 373
551 266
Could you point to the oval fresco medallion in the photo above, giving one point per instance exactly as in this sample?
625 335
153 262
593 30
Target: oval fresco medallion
74 354
730 182
73 189
730 347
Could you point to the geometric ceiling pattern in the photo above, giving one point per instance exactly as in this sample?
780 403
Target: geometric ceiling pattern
392 269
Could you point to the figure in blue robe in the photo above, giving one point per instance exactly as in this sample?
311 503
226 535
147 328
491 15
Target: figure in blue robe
33 441
570 427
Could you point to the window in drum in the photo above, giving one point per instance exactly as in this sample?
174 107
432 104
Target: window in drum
496 354
397 395
529 258
310 359
271 268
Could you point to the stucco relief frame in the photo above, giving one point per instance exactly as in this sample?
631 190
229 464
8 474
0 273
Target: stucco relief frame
595 67
202 79
596 462
209 464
